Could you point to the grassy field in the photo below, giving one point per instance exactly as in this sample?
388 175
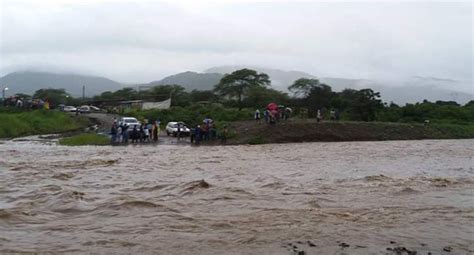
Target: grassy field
85 139
16 123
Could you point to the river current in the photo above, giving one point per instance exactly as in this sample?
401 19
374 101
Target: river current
316 198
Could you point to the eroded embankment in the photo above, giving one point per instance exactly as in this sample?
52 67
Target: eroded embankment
250 132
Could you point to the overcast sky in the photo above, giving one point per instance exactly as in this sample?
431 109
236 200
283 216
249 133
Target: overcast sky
141 41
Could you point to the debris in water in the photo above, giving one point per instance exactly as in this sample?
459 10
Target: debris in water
344 245
203 184
402 250
380 178
448 249
63 176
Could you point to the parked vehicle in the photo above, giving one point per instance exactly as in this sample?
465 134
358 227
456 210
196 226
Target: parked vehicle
130 121
94 108
172 129
84 109
69 108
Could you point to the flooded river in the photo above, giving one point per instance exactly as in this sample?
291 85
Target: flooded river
320 198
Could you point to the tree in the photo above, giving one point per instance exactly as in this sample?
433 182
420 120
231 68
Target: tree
319 97
365 105
23 96
202 95
124 94
260 96
237 84
303 86
452 103
469 104
53 96
178 94
107 95
314 95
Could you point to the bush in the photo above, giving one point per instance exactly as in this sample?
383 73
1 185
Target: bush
15 124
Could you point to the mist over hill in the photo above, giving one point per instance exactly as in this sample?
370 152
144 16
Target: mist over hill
190 80
407 90
281 79
404 90
29 82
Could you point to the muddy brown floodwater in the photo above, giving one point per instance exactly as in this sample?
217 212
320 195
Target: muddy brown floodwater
320 198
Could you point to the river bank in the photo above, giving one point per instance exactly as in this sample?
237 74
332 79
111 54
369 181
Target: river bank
18 124
294 131
38 122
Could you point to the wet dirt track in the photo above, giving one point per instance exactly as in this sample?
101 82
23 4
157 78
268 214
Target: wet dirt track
320 198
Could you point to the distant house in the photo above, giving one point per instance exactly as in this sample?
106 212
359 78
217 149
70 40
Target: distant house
144 105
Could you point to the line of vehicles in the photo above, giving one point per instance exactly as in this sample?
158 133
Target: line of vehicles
81 109
172 128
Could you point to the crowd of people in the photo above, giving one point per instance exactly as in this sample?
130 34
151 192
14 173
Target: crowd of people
19 102
124 133
273 114
207 131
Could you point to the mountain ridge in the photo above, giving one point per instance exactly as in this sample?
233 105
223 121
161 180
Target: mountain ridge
28 82
190 80
412 90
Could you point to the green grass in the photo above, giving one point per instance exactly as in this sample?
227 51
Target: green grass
256 140
454 130
85 139
16 124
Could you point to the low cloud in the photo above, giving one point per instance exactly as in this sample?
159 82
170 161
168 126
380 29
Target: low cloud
139 42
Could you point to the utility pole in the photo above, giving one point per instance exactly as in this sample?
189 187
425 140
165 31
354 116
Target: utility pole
83 92
3 94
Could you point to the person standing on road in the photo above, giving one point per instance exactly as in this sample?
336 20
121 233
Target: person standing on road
198 133
257 115
113 132
318 116
119 134
125 133
332 114
178 133
147 134
155 132
141 133
266 114
158 123
134 134
192 135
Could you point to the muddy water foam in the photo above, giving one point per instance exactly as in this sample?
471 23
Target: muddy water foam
357 198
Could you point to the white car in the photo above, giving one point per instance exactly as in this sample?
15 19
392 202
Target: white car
84 109
172 129
129 121
94 108
69 108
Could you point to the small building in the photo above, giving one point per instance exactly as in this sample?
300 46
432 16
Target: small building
144 105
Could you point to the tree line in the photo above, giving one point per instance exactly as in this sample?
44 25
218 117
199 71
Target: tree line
247 88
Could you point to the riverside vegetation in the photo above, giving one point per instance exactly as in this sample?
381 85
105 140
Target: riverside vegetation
14 123
235 98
